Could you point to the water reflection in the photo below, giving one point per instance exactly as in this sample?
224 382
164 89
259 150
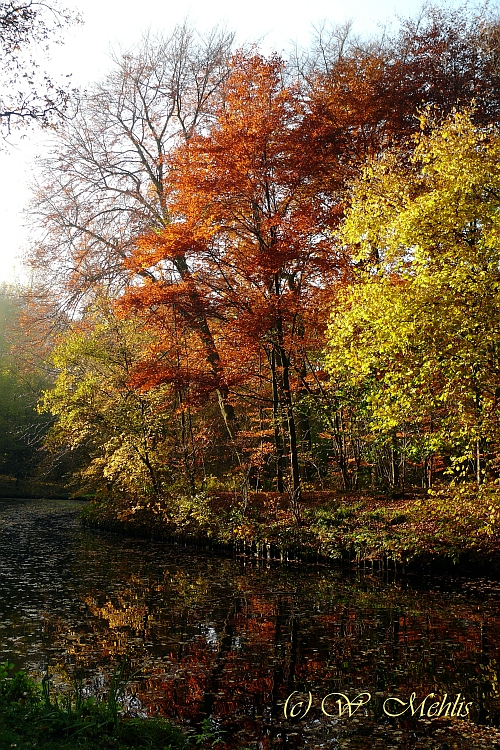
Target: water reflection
232 639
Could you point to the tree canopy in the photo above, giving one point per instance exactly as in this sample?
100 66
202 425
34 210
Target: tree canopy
419 330
230 208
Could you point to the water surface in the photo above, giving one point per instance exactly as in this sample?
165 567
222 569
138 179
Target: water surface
233 638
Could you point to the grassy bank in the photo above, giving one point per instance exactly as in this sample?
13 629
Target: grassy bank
451 526
30 717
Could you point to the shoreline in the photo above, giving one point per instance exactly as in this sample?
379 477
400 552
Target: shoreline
416 533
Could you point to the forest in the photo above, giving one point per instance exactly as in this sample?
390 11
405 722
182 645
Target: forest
265 297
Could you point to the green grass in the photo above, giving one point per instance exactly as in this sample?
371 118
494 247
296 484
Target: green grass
31 717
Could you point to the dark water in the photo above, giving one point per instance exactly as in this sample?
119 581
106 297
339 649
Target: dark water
232 639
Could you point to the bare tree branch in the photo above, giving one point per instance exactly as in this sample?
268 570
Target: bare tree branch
25 94
103 183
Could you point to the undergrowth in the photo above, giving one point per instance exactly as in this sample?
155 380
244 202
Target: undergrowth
32 717
449 525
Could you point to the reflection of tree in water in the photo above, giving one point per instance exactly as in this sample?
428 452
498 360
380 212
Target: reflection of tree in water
486 691
232 639
235 647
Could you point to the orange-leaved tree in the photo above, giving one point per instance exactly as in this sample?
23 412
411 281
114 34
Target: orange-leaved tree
250 220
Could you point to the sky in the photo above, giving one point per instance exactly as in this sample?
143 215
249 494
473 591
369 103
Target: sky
119 24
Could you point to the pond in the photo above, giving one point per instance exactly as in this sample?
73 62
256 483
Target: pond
234 638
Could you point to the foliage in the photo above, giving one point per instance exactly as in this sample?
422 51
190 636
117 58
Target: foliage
21 428
207 737
153 99
454 524
246 217
418 333
203 193
123 441
102 182
31 716
447 526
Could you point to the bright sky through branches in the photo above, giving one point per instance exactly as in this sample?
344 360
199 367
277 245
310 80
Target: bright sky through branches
117 25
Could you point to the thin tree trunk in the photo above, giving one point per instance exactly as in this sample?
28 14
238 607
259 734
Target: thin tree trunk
278 440
290 418
478 461
304 425
341 450
292 435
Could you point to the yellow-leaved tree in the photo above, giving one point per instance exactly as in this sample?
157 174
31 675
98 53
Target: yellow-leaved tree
418 334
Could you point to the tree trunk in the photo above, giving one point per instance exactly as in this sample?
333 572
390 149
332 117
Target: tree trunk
292 436
278 440
197 320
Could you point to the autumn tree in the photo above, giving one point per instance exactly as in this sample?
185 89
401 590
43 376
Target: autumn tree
104 183
365 94
206 193
418 333
116 440
257 237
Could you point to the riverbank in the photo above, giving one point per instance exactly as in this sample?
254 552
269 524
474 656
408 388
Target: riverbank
31 488
449 528
32 717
